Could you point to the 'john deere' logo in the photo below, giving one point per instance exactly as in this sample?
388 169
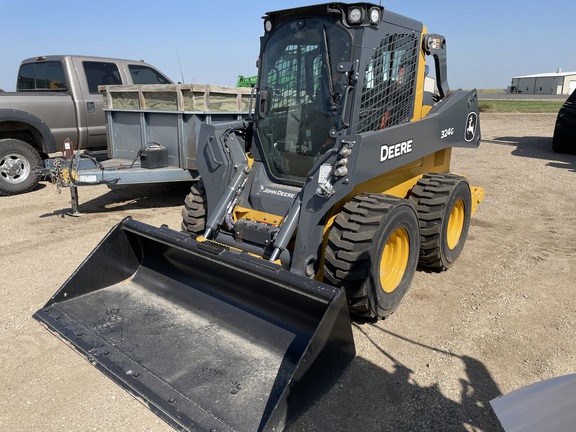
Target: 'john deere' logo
471 126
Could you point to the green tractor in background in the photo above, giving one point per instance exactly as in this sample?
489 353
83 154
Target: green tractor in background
246 81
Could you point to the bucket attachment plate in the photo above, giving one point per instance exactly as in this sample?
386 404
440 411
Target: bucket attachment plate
208 338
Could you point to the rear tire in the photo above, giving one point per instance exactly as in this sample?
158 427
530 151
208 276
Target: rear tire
17 162
372 252
194 211
444 204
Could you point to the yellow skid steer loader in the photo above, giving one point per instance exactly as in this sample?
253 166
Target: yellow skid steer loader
322 203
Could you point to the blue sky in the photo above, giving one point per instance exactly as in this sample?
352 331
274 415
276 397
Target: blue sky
488 42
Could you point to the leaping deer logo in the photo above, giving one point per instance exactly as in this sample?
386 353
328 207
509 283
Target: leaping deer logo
471 126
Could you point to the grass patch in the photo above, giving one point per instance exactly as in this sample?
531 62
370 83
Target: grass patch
501 91
519 106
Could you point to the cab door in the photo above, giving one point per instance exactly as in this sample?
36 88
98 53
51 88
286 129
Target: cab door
96 73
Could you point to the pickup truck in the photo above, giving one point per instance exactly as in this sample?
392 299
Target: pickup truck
57 100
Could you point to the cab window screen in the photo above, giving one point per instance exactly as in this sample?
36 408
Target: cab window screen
100 73
389 81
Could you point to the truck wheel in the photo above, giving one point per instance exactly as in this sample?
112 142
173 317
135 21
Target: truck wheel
194 211
372 252
17 161
443 202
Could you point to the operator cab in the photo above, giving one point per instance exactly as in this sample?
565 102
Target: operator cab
302 91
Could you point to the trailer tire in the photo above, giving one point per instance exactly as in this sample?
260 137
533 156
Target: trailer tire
17 162
372 252
194 211
443 203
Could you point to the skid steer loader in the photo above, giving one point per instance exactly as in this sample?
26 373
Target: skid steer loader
323 202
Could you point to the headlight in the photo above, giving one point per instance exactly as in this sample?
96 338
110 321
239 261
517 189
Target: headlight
355 15
374 15
268 25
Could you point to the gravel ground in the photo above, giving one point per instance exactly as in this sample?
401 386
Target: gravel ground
501 318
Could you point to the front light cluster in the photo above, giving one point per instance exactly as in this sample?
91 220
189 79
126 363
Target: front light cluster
358 15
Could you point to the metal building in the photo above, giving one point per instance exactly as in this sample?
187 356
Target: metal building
545 83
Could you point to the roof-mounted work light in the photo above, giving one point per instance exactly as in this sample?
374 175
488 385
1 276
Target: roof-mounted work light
374 15
363 15
355 15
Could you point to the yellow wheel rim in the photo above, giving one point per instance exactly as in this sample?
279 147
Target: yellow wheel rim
394 260
455 224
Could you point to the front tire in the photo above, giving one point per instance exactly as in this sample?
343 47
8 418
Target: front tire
372 252
444 204
17 162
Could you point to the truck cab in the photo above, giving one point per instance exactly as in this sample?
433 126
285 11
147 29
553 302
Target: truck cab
57 98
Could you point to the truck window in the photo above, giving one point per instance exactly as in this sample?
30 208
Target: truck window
42 76
100 73
146 75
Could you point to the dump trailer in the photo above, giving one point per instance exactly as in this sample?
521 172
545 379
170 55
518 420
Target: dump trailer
322 204
152 131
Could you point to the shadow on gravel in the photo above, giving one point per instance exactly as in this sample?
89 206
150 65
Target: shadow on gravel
130 197
40 186
370 399
537 148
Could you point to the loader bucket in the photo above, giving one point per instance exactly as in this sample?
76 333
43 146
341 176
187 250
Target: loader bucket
211 339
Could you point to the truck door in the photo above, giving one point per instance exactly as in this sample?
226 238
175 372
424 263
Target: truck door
97 73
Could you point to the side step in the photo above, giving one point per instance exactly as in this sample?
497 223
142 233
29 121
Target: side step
208 338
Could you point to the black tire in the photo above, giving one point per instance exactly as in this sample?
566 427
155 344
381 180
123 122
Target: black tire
444 205
564 138
373 233
17 162
194 211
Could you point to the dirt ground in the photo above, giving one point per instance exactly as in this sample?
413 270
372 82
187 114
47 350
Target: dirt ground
501 318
